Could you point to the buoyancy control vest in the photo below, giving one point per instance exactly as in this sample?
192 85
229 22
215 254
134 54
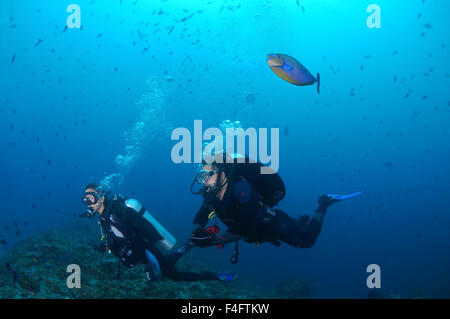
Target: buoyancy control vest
118 231
269 186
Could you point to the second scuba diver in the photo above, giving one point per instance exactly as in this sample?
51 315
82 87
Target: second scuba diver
132 234
243 199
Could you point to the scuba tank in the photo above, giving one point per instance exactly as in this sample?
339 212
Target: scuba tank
167 241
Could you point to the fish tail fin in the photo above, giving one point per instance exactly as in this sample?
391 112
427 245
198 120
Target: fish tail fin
318 83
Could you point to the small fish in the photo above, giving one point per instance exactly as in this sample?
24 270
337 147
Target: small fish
291 70
13 59
408 93
332 69
286 131
3 242
188 17
39 41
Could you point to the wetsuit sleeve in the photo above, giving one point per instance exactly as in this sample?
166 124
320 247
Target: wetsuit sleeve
201 218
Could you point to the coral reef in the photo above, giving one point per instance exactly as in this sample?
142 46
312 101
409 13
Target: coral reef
37 268
295 288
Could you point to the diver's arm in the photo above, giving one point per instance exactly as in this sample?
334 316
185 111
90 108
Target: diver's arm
200 219
225 237
199 236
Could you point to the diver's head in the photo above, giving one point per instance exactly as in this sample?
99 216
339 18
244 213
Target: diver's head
213 175
210 176
94 198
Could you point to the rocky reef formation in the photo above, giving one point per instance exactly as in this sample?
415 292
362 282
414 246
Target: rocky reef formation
37 268
295 288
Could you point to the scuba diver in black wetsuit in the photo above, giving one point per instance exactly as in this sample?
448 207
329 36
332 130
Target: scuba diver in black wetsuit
242 198
134 236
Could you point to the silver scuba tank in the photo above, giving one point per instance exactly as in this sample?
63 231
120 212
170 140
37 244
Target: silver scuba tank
168 241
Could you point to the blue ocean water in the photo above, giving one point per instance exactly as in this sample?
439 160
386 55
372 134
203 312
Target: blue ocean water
79 105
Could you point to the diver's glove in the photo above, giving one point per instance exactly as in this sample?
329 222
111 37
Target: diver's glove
202 238
324 202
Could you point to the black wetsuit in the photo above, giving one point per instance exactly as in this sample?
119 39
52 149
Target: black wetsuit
245 214
128 235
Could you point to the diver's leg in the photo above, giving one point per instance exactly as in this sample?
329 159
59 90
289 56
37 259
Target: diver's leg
173 258
172 273
296 233
304 231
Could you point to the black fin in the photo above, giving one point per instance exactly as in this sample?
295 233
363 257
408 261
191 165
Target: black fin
318 83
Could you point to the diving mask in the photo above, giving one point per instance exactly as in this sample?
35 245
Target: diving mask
90 198
204 175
